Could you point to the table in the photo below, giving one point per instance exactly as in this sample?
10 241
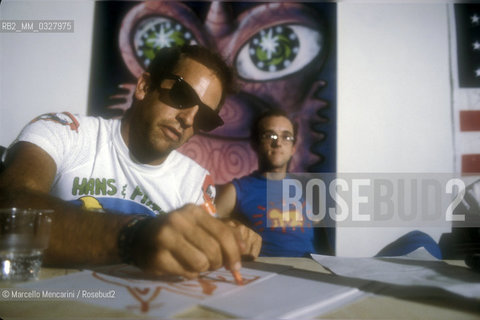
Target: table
370 307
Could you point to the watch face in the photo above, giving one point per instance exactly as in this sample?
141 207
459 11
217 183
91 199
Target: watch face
153 33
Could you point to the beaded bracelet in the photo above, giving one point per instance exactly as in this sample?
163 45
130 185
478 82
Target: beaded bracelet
127 235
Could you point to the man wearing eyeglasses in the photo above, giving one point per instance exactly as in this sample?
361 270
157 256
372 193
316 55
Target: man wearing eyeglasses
131 166
256 199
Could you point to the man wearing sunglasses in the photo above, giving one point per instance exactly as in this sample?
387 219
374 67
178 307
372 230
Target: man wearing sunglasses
256 199
131 166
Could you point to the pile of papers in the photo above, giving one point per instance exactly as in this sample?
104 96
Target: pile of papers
281 292
269 290
418 273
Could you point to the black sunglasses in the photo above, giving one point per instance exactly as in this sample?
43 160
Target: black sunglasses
182 96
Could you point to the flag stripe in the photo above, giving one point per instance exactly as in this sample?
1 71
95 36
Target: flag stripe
470 163
470 120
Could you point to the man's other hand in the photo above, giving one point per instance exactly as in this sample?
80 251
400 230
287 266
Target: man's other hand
250 241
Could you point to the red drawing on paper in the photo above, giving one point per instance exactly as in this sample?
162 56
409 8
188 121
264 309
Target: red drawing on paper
139 294
147 295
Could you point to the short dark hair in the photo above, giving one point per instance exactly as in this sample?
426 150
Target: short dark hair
255 130
167 59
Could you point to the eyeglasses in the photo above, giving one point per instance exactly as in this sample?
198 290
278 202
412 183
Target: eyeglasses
284 138
182 96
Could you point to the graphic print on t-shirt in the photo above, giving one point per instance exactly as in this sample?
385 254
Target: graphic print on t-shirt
103 193
64 118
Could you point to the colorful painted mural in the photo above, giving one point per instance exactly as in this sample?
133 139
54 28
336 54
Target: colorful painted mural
284 55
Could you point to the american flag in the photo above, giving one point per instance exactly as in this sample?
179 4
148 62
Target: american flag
466 75
467 18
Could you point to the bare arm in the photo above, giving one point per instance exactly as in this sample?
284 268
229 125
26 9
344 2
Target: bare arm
76 233
28 167
225 202
185 242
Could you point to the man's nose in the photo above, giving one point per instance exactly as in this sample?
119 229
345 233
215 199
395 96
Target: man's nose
276 142
186 117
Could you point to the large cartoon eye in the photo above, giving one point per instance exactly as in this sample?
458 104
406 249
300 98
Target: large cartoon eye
155 33
278 51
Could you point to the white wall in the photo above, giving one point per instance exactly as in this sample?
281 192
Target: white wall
394 99
43 72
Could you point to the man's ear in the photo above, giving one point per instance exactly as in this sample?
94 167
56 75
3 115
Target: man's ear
143 85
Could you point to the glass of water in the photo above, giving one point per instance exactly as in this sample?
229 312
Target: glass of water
24 234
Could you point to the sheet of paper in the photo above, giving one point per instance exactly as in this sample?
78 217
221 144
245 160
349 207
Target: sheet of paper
124 287
418 269
291 294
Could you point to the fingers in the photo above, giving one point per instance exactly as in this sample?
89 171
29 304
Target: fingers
255 244
251 242
156 251
166 263
224 236
186 242
205 244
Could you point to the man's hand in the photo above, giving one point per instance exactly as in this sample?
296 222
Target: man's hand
250 241
186 242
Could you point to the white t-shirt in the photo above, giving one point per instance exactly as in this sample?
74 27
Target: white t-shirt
96 170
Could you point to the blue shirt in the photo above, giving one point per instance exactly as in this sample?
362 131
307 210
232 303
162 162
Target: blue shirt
291 238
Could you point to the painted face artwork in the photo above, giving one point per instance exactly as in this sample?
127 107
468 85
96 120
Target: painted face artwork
278 50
